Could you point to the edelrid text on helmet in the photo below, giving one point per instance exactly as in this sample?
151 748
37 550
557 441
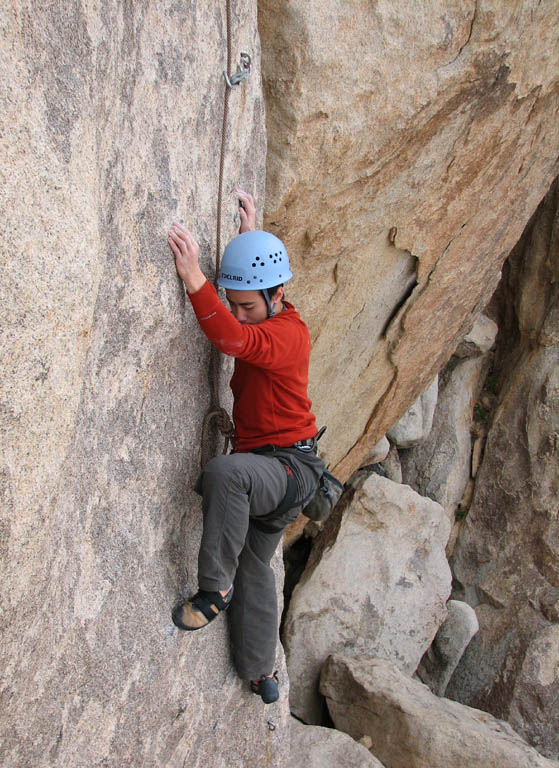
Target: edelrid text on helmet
254 261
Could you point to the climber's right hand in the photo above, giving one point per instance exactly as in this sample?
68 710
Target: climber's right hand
247 211
185 249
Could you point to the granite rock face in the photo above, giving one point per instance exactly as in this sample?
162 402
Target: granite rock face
406 153
111 122
376 583
506 561
412 728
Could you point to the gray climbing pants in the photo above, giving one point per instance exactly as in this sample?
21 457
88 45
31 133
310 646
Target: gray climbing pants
240 492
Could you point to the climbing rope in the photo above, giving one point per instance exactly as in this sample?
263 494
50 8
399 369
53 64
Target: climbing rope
217 412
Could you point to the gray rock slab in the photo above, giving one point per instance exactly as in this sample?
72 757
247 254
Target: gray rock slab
111 124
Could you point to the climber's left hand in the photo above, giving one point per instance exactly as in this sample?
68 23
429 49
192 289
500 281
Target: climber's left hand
185 249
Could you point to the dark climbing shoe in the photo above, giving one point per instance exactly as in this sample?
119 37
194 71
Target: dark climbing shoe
198 611
266 688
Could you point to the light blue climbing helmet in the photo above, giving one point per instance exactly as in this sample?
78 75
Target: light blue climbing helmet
254 261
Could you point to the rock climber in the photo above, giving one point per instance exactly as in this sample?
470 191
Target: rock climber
250 495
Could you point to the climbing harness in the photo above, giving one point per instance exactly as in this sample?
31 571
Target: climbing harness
224 423
317 505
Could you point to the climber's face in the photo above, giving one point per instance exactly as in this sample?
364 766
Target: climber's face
249 307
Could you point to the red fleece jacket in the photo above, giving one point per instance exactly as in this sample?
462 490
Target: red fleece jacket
269 384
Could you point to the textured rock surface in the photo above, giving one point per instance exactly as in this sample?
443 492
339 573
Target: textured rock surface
316 747
507 555
111 121
412 728
415 425
406 154
440 466
376 582
451 641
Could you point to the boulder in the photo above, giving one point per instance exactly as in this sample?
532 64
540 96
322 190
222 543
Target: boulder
415 425
392 465
451 641
380 451
376 582
506 558
316 747
479 339
111 125
410 727
440 466
406 153
535 703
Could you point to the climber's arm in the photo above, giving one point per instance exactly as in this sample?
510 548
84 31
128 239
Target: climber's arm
185 249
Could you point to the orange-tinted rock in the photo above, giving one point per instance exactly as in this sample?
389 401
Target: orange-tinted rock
406 153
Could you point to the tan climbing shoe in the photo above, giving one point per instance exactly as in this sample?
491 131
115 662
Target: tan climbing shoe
199 610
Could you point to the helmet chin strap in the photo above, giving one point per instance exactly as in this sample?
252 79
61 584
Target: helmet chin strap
271 312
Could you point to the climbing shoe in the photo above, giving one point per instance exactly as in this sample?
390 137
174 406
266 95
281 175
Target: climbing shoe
266 688
200 609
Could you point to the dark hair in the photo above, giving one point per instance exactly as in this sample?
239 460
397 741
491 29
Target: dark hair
272 291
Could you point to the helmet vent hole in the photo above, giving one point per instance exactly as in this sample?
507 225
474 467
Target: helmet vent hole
248 282
254 265
257 258
261 280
